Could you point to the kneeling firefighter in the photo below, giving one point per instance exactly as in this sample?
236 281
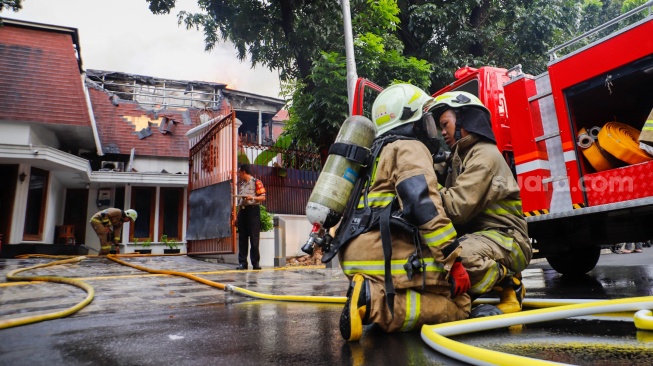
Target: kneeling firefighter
481 197
395 243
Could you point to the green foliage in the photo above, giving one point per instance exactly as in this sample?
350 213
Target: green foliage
416 41
266 219
14 5
170 243
145 243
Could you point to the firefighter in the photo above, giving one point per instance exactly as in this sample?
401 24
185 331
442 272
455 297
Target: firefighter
481 197
109 223
404 268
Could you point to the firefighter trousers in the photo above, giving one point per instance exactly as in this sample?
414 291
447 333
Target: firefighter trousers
102 234
482 257
415 307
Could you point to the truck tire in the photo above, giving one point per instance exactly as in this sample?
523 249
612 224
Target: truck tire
576 261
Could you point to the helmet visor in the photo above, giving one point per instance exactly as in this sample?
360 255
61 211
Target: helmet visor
430 126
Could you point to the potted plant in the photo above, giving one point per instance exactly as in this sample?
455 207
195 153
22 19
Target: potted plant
146 246
173 246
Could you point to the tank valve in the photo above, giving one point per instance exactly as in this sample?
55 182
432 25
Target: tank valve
315 238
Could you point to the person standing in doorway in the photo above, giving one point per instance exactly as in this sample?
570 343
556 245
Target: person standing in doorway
251 193
109 222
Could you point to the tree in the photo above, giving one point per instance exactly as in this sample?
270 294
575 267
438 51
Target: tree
304 40
417 41
14 5
503 33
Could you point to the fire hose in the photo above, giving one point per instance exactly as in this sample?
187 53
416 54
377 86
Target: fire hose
622 142
434 335
11 276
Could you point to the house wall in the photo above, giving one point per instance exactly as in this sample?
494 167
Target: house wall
54 209
20 204
157 164
15 133
42 136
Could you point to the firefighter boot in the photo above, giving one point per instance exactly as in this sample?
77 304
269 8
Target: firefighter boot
512 292
356 310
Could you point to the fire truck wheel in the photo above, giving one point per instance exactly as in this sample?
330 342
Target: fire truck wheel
576 261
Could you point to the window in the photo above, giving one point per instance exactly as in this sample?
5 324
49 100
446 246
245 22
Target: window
170 212
143 202
36 199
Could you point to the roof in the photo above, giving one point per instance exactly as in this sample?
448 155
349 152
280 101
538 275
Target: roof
40 75
281 116
123 125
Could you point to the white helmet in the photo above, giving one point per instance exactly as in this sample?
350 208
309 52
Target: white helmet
132 214
398 105
471 114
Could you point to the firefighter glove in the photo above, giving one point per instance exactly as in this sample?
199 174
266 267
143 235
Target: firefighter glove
459 279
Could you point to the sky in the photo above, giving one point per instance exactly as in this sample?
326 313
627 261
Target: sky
124 36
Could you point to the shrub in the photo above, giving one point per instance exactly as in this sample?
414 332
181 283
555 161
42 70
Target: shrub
266 219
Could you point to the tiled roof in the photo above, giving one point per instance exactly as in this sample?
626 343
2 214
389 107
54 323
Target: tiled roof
281 116
119 127
40 79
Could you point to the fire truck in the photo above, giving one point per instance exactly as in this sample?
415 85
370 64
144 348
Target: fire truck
577 196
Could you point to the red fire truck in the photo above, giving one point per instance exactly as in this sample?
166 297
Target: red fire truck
548 127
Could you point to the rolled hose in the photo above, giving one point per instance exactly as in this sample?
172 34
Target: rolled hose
622 142
11 276
592 151
436 335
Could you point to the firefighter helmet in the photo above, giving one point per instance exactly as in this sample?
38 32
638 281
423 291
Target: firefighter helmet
471 114
132 214
398 105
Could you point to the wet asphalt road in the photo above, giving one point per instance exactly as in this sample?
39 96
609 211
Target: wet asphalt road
149 319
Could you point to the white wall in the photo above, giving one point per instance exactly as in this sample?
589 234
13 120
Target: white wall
156 164
296 233
15 134
54 209
42 136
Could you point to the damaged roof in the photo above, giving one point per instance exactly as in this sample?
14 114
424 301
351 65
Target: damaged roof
124 124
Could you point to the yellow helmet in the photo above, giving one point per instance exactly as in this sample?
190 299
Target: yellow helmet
471 114
398 105
131 214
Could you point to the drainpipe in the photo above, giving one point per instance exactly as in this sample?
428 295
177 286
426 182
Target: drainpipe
350 60
91 115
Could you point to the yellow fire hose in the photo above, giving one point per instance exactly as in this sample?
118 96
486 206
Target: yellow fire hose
434 335
11 276
327 299
592 151
622 142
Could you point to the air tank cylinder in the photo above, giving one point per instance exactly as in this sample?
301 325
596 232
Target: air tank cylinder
336 181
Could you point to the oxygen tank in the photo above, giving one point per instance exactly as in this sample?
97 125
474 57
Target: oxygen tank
336 181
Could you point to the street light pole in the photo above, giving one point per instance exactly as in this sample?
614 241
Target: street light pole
352 77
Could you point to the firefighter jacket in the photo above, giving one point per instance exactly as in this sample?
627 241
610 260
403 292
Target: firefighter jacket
404 170
111 218
481 196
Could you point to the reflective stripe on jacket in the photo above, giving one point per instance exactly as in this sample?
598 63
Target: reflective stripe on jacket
405 162
481 195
